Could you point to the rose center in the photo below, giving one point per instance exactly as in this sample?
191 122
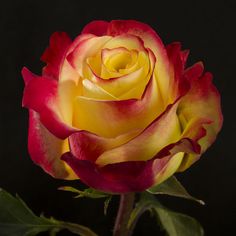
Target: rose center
118 61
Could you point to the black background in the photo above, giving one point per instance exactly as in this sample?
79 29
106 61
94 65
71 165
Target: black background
207 28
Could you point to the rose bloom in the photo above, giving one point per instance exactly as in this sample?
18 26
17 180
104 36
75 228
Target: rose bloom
118 109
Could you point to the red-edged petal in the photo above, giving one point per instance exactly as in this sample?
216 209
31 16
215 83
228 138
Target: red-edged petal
118 178
112 118
201 102
151 40
45 149
40 95
129 176
54 55
134 176
84 49
98 28
67 72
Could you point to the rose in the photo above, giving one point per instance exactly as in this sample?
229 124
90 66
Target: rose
118 109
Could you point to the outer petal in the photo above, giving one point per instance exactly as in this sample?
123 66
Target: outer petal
40 95
129 176
139 175
132 176
118 178
202 102
88 146
45 149
54 55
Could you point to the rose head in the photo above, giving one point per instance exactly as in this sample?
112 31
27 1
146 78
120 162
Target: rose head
118 109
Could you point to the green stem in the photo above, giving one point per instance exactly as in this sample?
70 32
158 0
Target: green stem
123 215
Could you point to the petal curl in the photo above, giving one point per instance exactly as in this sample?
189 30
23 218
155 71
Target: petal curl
86 48
27 75
145 32
67 71
40 95
98 28
45 149
88 146
130 85
174 154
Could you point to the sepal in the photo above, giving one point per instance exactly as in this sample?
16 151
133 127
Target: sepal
89 193
173 187
174 223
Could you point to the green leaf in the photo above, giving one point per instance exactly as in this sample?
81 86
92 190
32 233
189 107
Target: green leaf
173 187
89 192
18 220
175 224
